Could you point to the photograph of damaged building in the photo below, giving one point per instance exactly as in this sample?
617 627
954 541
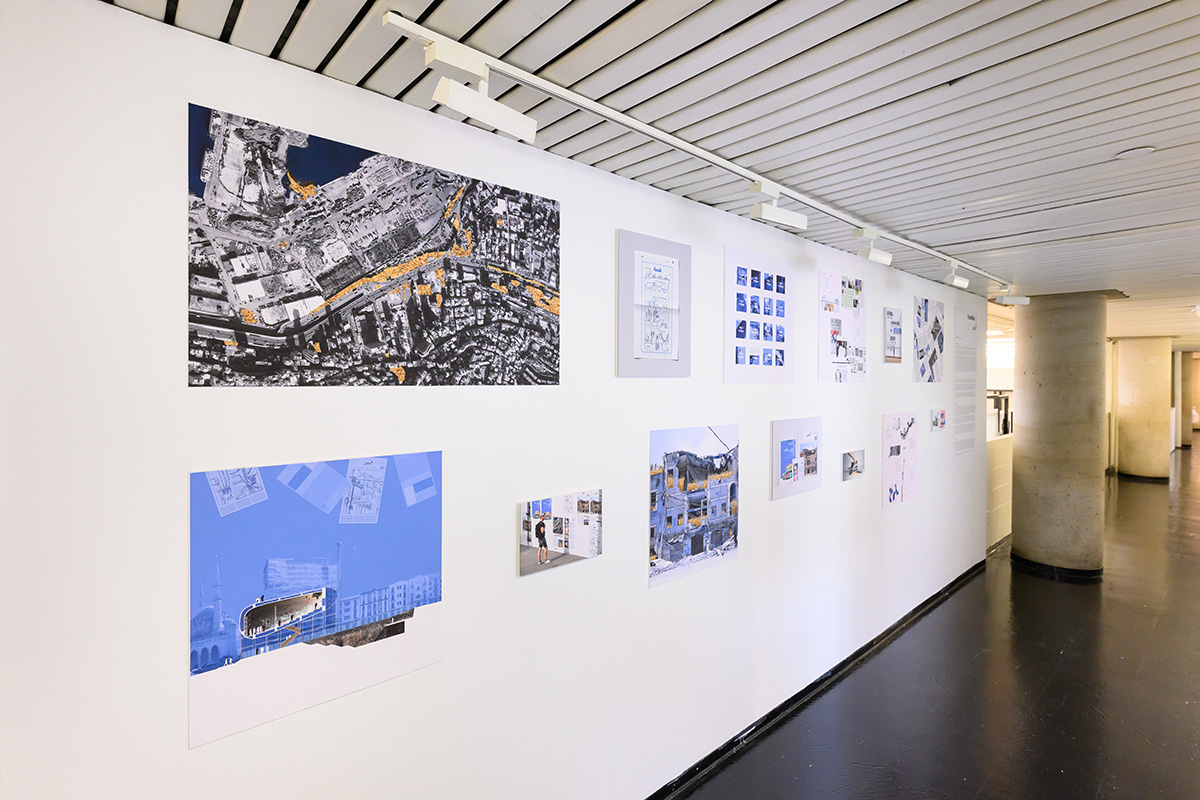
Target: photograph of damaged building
693 500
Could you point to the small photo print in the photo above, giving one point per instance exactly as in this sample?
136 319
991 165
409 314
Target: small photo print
779 308
852 465
755 304
767 306
779 332
753 360
768 282
779 358
559 530
779 284
767 360
755 279
741 302
768 332
741 276
740 331
739 355
754 329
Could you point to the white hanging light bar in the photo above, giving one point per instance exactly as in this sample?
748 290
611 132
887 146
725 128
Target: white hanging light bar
433 39
771 212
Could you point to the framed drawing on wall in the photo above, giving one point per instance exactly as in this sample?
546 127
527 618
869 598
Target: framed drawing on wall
654 307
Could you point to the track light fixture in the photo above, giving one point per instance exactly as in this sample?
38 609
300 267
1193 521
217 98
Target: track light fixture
869 250
1011 299
771 212
459 65
953 278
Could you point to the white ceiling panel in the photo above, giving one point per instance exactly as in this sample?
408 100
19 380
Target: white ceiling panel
205 17
260 23
987 129
155 9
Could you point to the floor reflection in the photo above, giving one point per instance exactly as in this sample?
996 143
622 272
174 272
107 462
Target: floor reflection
1018 686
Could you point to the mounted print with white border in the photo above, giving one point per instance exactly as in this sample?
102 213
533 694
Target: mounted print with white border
758 319
654 307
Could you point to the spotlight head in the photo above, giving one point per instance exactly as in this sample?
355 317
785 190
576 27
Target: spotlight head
1012 300
956 280
873 253
780 216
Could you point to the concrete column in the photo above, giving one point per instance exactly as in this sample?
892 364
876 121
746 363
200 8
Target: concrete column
1144 441
1059 441
1195 389
1176 400
1186 375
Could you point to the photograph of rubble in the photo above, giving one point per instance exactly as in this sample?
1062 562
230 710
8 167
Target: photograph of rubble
556 531
316 263
325 556
693 500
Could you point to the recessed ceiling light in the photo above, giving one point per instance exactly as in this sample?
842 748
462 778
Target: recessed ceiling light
1135 152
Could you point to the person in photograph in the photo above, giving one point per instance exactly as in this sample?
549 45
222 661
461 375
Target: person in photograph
543 548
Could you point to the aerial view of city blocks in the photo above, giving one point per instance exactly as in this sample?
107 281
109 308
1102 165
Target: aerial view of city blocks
312 262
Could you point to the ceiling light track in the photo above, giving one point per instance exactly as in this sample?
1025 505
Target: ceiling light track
435 41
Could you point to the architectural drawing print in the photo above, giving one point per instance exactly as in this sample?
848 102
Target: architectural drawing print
235 489
656 295
929 340
361 502
899 458
693 500
312 262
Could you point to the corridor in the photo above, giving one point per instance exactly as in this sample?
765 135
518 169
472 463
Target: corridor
1017 686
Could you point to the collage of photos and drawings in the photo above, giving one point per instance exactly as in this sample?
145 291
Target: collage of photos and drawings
313 262
325 554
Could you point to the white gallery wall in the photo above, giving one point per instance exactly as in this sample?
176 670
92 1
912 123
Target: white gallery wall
100 431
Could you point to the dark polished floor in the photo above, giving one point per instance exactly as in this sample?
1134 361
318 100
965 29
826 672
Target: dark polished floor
1018 686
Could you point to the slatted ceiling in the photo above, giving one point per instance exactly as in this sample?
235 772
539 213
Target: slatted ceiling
685 66
370 40
793 110
1148 120
1036 164
1127 190
981 103
1064 120
1052 187
811 114
684 36
155 9
1120 201
320 26
611 148
205 17
1163 207
259 24
638 24
1053 110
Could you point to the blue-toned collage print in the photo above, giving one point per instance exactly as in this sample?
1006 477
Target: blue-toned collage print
759 297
